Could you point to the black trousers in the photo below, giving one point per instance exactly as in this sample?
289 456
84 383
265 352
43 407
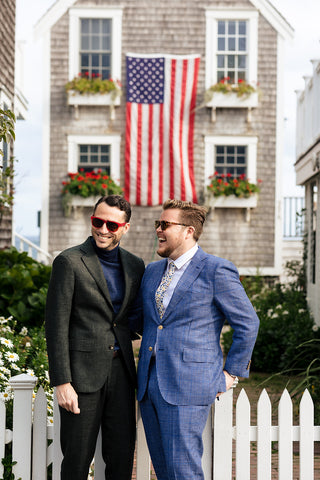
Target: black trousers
112 408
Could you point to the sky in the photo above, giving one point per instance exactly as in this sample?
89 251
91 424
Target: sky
303 16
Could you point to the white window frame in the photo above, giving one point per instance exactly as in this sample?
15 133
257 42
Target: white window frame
210 154
75 15
113 140
212 17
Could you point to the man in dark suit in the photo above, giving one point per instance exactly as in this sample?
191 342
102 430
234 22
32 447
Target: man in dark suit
187 297
92 313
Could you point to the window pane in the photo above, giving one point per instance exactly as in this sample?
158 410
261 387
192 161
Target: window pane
83 148
105 148
84 43
95 25
106 43
95 42
232 28
220 149
242 61
231 61
219 170
95 60
220 61
242 44
230 159
241 75
220 76
94 148
241 149
231 76
106 60
219 159
221 27
106 26
242 28
84 25
83 159
231 44
84 60
221 44
230 149
94 159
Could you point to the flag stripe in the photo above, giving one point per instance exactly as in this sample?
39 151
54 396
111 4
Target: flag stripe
161 94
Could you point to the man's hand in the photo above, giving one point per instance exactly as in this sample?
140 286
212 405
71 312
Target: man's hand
229 382
67 398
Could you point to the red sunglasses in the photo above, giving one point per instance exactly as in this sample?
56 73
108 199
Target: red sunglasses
97 222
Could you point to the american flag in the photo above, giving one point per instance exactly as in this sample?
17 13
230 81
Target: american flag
161 97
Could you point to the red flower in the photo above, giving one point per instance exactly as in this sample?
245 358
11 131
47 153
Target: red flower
240 80
104 186
228 175
105 177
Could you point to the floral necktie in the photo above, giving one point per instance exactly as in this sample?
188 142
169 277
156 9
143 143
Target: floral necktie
161 290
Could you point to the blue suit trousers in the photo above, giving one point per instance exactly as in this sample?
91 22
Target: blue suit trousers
174 433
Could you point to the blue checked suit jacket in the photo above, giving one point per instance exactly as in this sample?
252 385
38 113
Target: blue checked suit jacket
189 359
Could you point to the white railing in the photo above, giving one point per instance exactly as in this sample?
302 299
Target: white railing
22 244
29 438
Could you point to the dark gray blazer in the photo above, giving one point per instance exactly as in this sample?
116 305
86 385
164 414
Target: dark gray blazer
81 325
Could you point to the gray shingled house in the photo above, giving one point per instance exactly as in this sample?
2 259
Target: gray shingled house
238 42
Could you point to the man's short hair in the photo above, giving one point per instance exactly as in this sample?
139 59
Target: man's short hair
191 214
116 201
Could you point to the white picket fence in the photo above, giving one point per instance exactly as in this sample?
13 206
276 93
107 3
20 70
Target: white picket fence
31 433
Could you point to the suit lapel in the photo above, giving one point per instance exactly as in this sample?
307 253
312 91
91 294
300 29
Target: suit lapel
188 278
128 274
92 263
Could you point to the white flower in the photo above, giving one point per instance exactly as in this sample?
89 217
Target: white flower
50 421
28 344
270 311
5 370
301 310
275 315
5 341
285 312
24 331
30 372
15 367
11 356
315 328
7 394
3 320
279 306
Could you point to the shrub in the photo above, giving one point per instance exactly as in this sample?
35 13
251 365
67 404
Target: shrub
23 287
285 323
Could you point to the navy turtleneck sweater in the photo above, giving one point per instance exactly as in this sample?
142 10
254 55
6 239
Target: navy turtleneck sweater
112 270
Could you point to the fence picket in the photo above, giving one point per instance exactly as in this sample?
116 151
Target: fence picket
243 437
264 436
222 437
39 440
2 432
57 454
23 386
143 459
285 436
306 437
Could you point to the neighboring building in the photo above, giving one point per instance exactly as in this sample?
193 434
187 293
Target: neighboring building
10 98
308 174
243 39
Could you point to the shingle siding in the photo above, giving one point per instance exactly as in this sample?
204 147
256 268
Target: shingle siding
172 27
7 56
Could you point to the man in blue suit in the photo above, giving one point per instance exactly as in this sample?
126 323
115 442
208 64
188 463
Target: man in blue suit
187 297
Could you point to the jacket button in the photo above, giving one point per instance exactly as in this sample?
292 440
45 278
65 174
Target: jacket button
160 327
111 347
150 348
114 324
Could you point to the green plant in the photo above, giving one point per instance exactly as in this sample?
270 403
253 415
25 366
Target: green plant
87 184
84 84
7 121
23 287
7 465
226 185
285 323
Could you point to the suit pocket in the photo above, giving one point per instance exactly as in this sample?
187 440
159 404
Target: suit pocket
81 345
198 356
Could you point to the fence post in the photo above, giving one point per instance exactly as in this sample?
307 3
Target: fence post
22 386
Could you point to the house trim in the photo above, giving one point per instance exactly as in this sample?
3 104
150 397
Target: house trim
113 140
210 141
75 14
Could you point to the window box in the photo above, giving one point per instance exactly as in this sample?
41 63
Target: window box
91 99
232 100
231 201
74 204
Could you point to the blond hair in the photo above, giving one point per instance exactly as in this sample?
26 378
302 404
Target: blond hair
191 214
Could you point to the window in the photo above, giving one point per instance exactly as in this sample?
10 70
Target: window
232 55
94 152
231 46
231 159
233 155
94 157
95 47
95 42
